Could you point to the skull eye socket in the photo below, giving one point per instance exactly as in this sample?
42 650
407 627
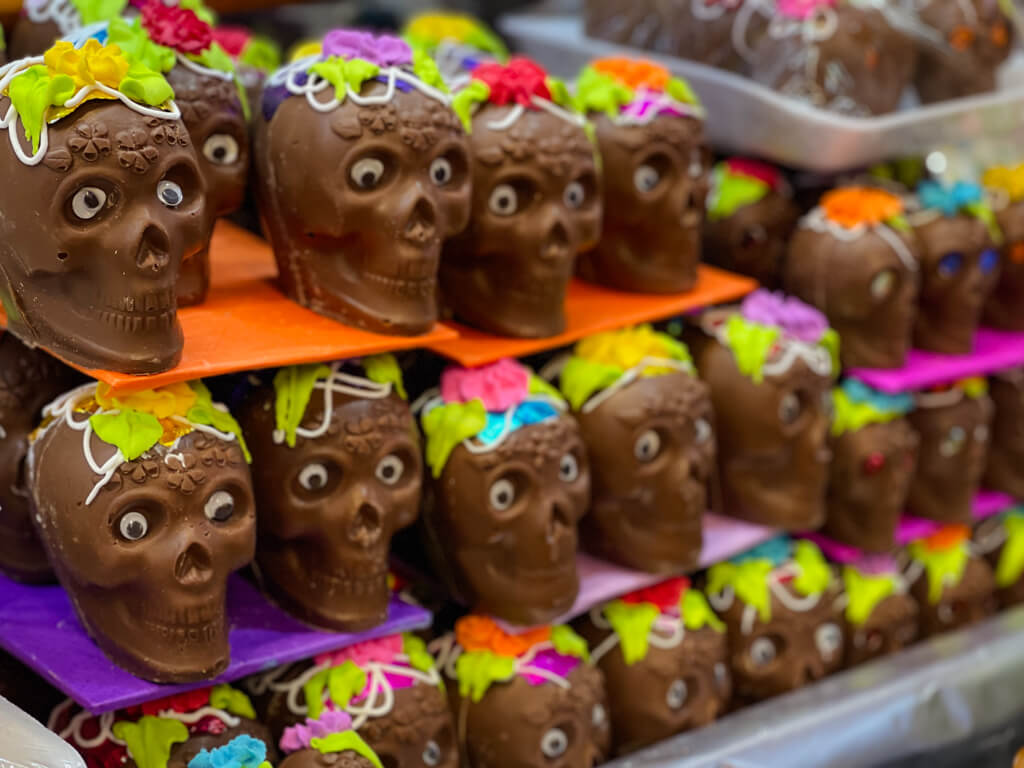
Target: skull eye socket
574 196
554 743
502 494
390 469
133 525
647 446
87 202
882 284
367 173
646 178
568 469
221 149
169 193
220 506
441 171
676 695
950 264
432 753
702 428
763 651
829 639
504 200
953 442
989 260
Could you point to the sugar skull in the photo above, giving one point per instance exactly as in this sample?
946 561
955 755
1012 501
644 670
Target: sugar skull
178 731
880 616
43 22
328 742
387 690
664 656
958 241
144 504
975 37
778 603
1005 307
1001 540
124 204
338 470
361 245
510 483
1004 470
29 379
750 217
953 587
769 366
646 421
535 203
954 426
255 58
458 42
654 176
523 700
874 452
855 258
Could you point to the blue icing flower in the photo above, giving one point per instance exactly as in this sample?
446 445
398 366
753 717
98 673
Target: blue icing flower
777 550
949 200
859 392
241 752
524 414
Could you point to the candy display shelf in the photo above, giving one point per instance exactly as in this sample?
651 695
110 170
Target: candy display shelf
591 309
39 626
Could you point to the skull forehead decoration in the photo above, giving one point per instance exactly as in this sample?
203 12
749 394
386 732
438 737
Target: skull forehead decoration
535 202
646 420
144 504
338 471
523 699
510 483
320 741
362 245
170 732
879 615
855 258
649 129
457 41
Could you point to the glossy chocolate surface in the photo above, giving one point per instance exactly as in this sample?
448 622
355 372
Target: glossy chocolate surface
966 603
1005 307
1004 470
753 240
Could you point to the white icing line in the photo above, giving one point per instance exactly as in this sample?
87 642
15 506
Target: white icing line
510 119
632 375
199 69
191 718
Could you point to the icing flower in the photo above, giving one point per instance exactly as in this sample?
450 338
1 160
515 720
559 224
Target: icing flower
189 701
627 347
1007 180
518 81
383 649
301 735
232 39
382 50
499 386
92 63
851 207
482 633
429 30
856 405
176 27
802 9
241 752
172 400
949 200
666 595
738 183
754 169
634 73
799 320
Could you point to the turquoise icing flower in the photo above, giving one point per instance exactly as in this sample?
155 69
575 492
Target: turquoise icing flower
950 200
777 551
241 752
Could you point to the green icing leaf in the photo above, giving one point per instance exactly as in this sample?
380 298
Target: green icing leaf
830 341
346 741
425 68
384 369
448 425
749 580
733 191
568 643
696 612
416 650
815 574
216 58
850 416
3 42
750 344
293 386
465 101
982 211
342 683
138 48
200 10
146 86
131 432
261 53
93 11
681 91
581 378
345 73
206 413
539 386
864 592
899 223
149 741
632 623
478 670
942 567
32 93
560 93
482 38
598 92
231 700
1011 559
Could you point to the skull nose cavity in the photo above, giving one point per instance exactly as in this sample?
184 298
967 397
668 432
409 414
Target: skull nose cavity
194 566
559 521
365 528
557 243
421 226
154 251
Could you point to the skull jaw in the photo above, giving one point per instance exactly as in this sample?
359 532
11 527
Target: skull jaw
313 758
625 261
22 556
194 279
938 329
791 498
667 542
1005 307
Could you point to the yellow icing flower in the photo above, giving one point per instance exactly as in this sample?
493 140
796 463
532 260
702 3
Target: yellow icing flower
309 48
625 348
1007 179
441 26
172 400
92 63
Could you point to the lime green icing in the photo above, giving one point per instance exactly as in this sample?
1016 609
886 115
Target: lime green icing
149 740
261 53
864 592
632 623
568 643
346 741
448 425
539 386
204 412
852 416
814 575
975 387
345 73
425 68
987 216
941 566
342 682
293 386
93 11
1011 558
696 612
137 46
830 341
580 379
466 100
560 93
598 92
681 91
231 700
145 85
479 670
733 191
384 369
749 580
131 432
32 93
3 42
750 344
416 650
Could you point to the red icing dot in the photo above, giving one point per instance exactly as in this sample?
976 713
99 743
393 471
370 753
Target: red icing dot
874 463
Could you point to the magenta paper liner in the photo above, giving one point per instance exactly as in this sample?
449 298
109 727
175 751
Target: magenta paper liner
993 351
911 528
835 551
988 503
38 625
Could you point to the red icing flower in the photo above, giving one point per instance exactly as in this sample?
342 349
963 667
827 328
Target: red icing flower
106 755
665 595
189 701
755 169
232 39
519 81
177 28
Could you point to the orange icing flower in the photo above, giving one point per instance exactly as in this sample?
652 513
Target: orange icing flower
481 633
962 38
947 537
853 206
634 73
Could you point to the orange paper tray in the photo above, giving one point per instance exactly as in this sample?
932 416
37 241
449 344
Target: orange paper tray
246 323
592 309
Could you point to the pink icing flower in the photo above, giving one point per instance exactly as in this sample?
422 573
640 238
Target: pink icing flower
797 319
802 9
301 735
384 51
499 386
383 649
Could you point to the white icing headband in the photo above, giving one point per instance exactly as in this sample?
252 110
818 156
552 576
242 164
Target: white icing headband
818 221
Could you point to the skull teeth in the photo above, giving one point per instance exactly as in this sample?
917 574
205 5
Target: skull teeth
340 584
403 287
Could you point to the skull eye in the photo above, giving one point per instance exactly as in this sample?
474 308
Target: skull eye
367 173
828 638
169 193
647 446
754 236
981 433
574 195
954 442
598 716
703 430
944 613
431 753
502 494
646 178
440 171
882 284
221 148
789 408
989 260
220 506
133 526
389 469
314 476
721 676
568 468
87 202
504 200
676 694
762 652
554 743
950 264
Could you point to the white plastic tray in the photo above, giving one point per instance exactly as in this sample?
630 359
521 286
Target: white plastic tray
747 118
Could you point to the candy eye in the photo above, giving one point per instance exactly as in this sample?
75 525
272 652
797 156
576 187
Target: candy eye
647 446
504 200
754 236
646 178
502 494
554 743
950 264
389 470
432 753
828 638
944 613
874 463
221 148
954 442
367 173
789 409
440 171
676 695
169 193
721 676
981 433
219 507
313 477
87 202
133 526
568 468
989 260
574 195
703 431
882 284
762 652
598 716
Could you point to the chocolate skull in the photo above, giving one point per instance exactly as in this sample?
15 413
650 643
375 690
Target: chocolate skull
880 617
1005 468
314 758
535 206
959 604
362 244
124 204
38 26
1005 307
418 732
183 753
329 506
954 430
992 538
960 266
145 556
28 380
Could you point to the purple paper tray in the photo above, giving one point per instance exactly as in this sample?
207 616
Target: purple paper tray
39 626
993 351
